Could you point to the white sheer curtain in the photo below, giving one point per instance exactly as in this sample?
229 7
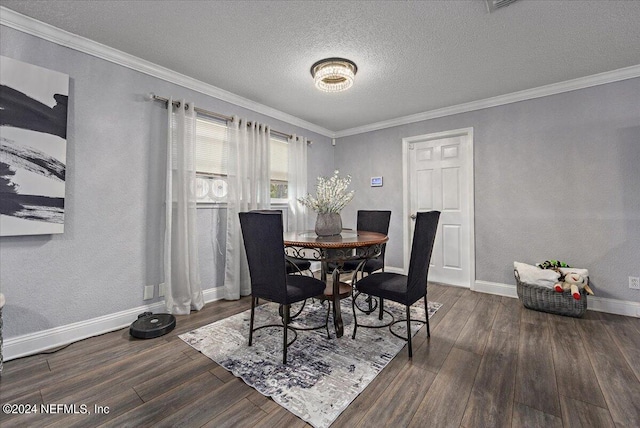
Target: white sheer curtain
181 270
297 182
249 189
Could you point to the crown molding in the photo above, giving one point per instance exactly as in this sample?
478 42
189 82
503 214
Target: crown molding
64 38
527 94
61 37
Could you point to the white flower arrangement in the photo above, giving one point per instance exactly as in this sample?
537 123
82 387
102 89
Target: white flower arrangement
331 194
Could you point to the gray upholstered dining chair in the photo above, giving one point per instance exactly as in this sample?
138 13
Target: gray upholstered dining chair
404 289
298 266
293 265
372 221
262 233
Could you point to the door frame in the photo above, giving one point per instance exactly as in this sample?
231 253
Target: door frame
406 226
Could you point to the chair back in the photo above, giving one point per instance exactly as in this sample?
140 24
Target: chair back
375 221
424 236
262 232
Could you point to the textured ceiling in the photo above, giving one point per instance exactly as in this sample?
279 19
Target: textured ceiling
412 57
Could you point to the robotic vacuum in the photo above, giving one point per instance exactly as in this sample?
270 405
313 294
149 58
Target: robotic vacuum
149 325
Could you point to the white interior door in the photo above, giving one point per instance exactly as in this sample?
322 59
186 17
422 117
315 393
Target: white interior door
439 176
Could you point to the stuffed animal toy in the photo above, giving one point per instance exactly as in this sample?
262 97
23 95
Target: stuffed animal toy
574 282
552 264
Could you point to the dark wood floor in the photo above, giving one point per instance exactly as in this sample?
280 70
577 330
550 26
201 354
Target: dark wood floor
489 363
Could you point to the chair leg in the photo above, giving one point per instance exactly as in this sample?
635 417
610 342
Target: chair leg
409 330
326 320
426 315
381 314
285 321
253 307
355 319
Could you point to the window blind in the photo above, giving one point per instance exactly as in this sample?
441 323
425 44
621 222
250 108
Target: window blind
279 160
212 147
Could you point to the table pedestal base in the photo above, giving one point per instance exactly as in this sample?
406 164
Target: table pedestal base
335 291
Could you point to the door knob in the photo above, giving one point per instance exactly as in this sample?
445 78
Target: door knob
413 216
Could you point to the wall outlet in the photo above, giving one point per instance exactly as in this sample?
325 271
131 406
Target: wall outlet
148 292
634 282
162 288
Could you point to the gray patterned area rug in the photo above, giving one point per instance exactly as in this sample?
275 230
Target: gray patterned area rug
322 376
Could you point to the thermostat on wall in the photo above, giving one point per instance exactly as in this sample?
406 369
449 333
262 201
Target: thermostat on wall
376 181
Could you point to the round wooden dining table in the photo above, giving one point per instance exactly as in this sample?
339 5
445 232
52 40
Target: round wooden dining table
336 249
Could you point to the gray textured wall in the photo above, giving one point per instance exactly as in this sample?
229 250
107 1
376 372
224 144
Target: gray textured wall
114 221
556 177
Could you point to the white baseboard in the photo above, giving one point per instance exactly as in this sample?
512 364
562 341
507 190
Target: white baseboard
40 341
213 294
612 306
497 288
394 270
34 343
595 303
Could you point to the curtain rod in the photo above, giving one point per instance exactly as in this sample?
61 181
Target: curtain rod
152 96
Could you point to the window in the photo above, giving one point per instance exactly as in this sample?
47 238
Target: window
279 165
212 153
212 149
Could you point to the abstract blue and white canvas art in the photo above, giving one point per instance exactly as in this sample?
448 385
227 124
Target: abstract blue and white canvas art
33 147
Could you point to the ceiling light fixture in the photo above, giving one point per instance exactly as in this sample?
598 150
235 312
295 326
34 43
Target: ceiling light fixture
334 74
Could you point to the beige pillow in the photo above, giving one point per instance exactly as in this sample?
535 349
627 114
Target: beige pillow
533 275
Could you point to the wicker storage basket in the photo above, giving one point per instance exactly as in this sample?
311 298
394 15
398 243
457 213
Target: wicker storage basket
548 300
